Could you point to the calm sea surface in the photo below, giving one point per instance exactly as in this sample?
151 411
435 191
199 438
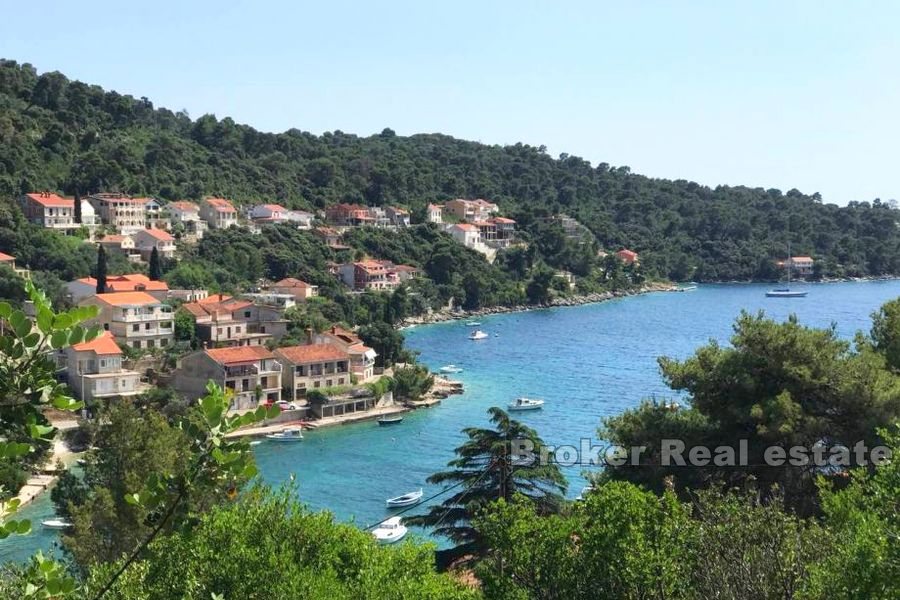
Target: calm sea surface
588 362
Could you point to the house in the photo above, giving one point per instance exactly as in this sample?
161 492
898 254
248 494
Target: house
312 366
222 323
122 244
219 213
86 287
800 265
372 274
399 217
568 277
269 213
10 261
362 358
331 237
146 240
251 373
378 217
122 213
471 210
49 211
186 216
348 215
572 228
188 295
629 257
264 314
154 215
298 289
435 213
497 232
136 319
467 234
94 370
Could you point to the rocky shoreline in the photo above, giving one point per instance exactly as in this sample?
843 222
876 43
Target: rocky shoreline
456 315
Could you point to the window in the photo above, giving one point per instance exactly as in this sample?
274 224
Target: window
136 327
163 342
317 384
328 383
151 344
246 314
136 344
146 326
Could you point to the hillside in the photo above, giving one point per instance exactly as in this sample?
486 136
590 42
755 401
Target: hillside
61 135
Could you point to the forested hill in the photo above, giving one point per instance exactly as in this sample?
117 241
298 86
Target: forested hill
59 134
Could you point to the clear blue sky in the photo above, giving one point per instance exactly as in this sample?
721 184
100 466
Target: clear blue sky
771 94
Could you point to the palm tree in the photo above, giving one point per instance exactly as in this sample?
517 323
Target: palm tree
486 471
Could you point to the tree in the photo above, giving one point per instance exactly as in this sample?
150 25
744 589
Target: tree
886 333
387 342
185 327
538 289
101 269
412 382
155 266
77 207
486 470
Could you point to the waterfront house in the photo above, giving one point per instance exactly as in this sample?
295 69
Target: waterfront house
136 319
398 217
467 234
218 213
300 290
86 287
10 261
362 358
471 210
95 370
122 213
121 244
251 373
629 257
370 274
800 265
435 213
312 366
50 211
146 240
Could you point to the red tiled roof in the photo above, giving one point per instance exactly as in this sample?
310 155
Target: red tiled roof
501 220
312 353
129 283
122 199
127 299
274 207
202 309
466 227
214 298
184 205
104 344
802 258
291 282
6 257
220 204
239 354
51 200
159 234
627 254
113 239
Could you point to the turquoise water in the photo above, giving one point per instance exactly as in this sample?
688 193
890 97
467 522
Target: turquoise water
588 362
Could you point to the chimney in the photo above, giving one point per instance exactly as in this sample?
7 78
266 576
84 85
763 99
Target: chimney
309 335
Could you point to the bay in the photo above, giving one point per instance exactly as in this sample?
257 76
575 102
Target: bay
587 362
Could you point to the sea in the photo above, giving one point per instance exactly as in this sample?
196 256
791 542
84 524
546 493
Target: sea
587 362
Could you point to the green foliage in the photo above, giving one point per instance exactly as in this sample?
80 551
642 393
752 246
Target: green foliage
155 273
101 271
385 340
886 333
268 546
412 381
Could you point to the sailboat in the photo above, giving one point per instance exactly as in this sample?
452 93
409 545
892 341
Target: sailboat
787 292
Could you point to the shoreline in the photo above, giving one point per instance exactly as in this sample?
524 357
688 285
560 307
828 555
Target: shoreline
39 483
444 316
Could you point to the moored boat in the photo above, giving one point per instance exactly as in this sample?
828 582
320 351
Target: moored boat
451 369
526 404
390 419
408 499
390 531
56 524
473 323
478 335
290 434
786 293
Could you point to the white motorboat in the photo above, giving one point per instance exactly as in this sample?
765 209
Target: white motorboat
686 288
584 492
526 404
405 500
290 434
451 369
256 442
473 323
56 524
390 531
478 335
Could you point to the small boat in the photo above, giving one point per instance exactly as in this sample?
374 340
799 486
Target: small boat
473 323
291 434
390 531
451 369
584 492
526 404
786 293
56 524
478 335
256 442
390 419
405 500
686 288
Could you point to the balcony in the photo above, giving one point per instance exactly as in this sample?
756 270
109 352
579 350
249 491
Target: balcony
159 315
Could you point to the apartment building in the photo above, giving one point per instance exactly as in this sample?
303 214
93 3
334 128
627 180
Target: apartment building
312 366
251 373
136 319
146 240
218 213
95 370
124 214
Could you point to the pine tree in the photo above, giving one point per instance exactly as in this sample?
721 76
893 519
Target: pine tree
77 207
101 269
155 266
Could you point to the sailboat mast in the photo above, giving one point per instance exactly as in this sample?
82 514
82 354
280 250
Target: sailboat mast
789 264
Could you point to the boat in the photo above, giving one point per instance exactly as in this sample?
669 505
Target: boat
390 419
478 335
686 288
787 292
526 404
409 499
451 369
256 442
584 492
290 434
390 531
56 524
473 323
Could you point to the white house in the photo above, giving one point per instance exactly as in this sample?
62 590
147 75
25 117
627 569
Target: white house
94 370
466 234
435 213
146 240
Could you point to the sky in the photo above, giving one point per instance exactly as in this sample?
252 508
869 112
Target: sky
767 94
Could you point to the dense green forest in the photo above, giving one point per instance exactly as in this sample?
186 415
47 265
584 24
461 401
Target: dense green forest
66 135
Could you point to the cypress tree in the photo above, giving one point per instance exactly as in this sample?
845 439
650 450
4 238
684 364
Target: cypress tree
155 266
101 269
77 207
